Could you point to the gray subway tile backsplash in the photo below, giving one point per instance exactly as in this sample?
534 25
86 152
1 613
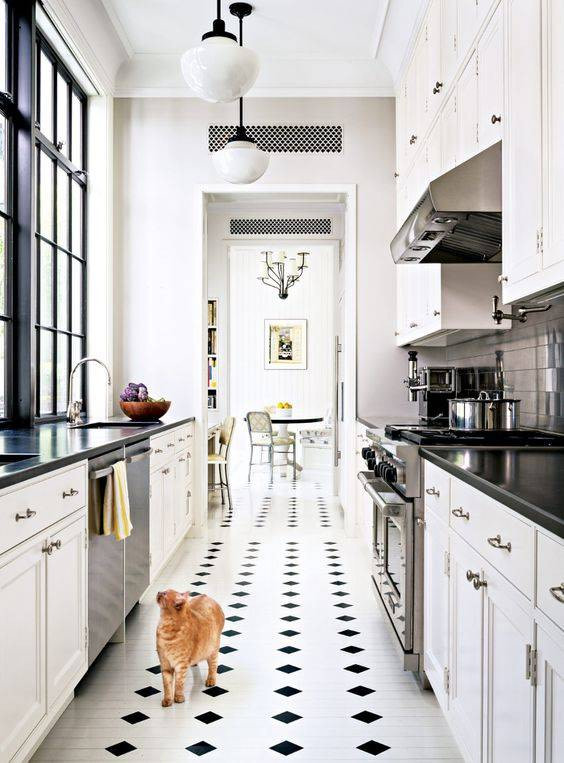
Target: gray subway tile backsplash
533 360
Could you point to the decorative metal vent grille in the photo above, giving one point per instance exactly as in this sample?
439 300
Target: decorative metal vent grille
292 139
281 227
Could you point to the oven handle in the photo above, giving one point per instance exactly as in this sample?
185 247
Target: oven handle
396 510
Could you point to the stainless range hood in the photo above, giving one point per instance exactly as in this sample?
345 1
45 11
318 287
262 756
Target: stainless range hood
458 218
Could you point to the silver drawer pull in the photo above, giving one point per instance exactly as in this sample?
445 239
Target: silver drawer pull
471 576
460 514
165 471
170 445
496 543
72 492
158 450
558 592
48 548
432 491
28 514
182 459
477 583
181 439
56 544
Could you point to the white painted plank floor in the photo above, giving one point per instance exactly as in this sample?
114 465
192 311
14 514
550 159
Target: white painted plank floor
308 670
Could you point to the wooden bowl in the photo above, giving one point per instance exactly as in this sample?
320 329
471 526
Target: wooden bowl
145 411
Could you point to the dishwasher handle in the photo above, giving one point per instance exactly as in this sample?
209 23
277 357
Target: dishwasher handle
138 456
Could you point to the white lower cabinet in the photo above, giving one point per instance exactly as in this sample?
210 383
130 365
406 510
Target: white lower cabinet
23 700
171 503
466 655
500 680
550 694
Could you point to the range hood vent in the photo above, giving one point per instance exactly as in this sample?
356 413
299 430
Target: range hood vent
458 218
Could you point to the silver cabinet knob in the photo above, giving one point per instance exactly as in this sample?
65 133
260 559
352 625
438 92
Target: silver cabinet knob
496 543
558 592
432 491
496 118
438 87
460 514
70 494
502 278
412 140
28 515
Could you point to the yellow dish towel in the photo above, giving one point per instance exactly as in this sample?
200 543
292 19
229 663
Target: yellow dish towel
115 514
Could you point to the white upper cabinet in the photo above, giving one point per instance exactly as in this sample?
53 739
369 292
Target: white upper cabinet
467 104
522 153
449 41
553 217
467 23
449 133
435 83
434 152
490 81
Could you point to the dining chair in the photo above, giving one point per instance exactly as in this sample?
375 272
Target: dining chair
261 436
221 459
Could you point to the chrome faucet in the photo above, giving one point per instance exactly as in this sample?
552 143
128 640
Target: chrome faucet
75 406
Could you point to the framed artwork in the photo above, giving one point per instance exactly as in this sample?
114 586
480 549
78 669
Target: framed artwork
285 344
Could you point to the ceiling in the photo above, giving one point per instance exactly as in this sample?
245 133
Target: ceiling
317 47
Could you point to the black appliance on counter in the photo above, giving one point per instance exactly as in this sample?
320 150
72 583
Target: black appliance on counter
431 436
118 571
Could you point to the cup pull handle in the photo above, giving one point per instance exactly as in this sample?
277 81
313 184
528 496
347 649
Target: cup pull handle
460 514
28 514
558 592
496 543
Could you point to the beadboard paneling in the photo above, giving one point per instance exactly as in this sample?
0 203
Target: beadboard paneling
251 302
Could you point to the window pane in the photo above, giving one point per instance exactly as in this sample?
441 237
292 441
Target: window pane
76 131
63 109
62 290
3 335
46 79
77 349
3 161
76 246
45 284
77 296
46 173
45 372
62 208
3 46
3 267
62 371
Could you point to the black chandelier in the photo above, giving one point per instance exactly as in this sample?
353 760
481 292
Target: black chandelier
281 272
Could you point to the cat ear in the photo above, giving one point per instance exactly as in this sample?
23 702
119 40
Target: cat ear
181 600
179 604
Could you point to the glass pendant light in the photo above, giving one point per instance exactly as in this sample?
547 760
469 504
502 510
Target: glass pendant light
241 161
218 70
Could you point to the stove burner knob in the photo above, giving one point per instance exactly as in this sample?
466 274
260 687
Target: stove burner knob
371 463
367 453
379 470
391 474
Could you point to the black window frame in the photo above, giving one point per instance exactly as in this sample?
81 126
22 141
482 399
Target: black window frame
73 174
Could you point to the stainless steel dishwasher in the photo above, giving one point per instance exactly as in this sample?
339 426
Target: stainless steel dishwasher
118 571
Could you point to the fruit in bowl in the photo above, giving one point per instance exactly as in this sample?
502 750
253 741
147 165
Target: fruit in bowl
284 409
136 403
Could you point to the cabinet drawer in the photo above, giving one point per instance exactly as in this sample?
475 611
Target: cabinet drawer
183 437
34 506
550 578
163 449
489 527
183 465
437 491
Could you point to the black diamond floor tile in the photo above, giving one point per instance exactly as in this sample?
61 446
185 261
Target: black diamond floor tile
361 691
244 582
234 618
227 649
215 691
356 668
136 717
346 618
290 593
291 582
290 633
147 691
156 669
288 669
289 649
348 632
201 748
366 716
352 649
286 717
223 669
340 593
286 747
121 748
240 593
290 618
198 582
343 605
209 717
237 605
290 605
372 747
288 691
231 633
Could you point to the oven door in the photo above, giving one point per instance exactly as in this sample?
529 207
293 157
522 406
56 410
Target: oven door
393 557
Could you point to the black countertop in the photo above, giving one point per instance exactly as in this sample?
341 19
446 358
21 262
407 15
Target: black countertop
380 421
528 480
52 446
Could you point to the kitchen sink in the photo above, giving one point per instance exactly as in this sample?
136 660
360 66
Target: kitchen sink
115 424
12 458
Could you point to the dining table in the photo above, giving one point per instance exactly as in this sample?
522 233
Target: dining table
284 420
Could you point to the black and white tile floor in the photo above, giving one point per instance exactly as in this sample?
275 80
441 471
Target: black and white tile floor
307 669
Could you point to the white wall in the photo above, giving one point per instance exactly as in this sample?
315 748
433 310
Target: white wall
251 302
161 154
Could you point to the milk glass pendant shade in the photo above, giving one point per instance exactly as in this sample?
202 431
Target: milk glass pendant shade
220 70
241 161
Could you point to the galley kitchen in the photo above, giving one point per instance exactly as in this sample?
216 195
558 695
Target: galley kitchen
281 380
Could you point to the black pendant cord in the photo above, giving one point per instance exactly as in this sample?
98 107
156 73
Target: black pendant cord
241 113
218 9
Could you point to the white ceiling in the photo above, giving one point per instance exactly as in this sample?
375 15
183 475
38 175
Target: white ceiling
307 47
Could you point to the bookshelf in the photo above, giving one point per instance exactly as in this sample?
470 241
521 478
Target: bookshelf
212 355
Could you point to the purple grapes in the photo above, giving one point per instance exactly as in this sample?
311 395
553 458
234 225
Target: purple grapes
134 393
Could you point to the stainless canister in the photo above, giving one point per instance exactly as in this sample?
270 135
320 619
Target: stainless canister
484 413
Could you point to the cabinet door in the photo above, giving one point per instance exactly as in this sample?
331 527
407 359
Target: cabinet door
490 81
412 116
553 229
169 496
435 617
449 133
181 502
509 696
468 111
550 696
401 138
466 639
467 24
522 156
435 84
66 608
434 152
156 524
449 40
22 645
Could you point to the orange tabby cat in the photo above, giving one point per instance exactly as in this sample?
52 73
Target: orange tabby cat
189 631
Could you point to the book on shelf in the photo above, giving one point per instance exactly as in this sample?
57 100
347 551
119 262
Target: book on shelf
212 313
